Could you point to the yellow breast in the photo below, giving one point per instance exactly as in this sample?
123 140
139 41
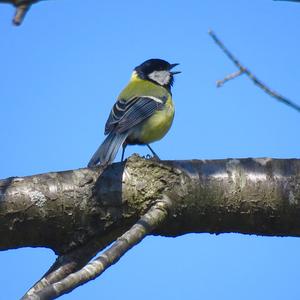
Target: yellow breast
155 127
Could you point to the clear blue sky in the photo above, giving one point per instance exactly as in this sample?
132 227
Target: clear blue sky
60 74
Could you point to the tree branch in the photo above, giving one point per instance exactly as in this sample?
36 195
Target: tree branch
78 213
70 263
151 220
244 70
22 7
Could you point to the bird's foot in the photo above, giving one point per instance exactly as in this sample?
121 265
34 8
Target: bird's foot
150 157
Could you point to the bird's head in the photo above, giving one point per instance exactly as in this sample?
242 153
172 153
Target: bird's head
158 71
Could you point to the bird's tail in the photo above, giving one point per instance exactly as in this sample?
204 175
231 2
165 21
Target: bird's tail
107 151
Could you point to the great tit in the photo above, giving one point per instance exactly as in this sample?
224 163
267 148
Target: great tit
143 113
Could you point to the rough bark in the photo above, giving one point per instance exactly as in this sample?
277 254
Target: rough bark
66 209
78 213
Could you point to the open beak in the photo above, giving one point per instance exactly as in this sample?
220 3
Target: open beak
173 66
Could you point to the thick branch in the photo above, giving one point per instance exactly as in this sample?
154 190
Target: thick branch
67 209
78 213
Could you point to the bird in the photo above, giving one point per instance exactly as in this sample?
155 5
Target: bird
143 112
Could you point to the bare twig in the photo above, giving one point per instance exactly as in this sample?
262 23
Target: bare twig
70 263
22 7
244 70
151 220
21 11
229 77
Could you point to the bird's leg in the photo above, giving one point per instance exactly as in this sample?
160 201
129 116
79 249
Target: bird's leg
154 154
123 151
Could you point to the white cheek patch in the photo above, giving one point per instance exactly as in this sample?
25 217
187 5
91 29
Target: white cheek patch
161 77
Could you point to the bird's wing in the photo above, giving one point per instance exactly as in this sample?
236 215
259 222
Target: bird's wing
127 113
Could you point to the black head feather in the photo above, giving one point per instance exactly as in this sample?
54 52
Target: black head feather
151 65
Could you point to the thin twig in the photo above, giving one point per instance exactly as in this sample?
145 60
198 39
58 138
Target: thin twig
21 11
229 77
246 71
22 7
151 220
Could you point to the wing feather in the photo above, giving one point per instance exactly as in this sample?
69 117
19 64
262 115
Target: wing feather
127 114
